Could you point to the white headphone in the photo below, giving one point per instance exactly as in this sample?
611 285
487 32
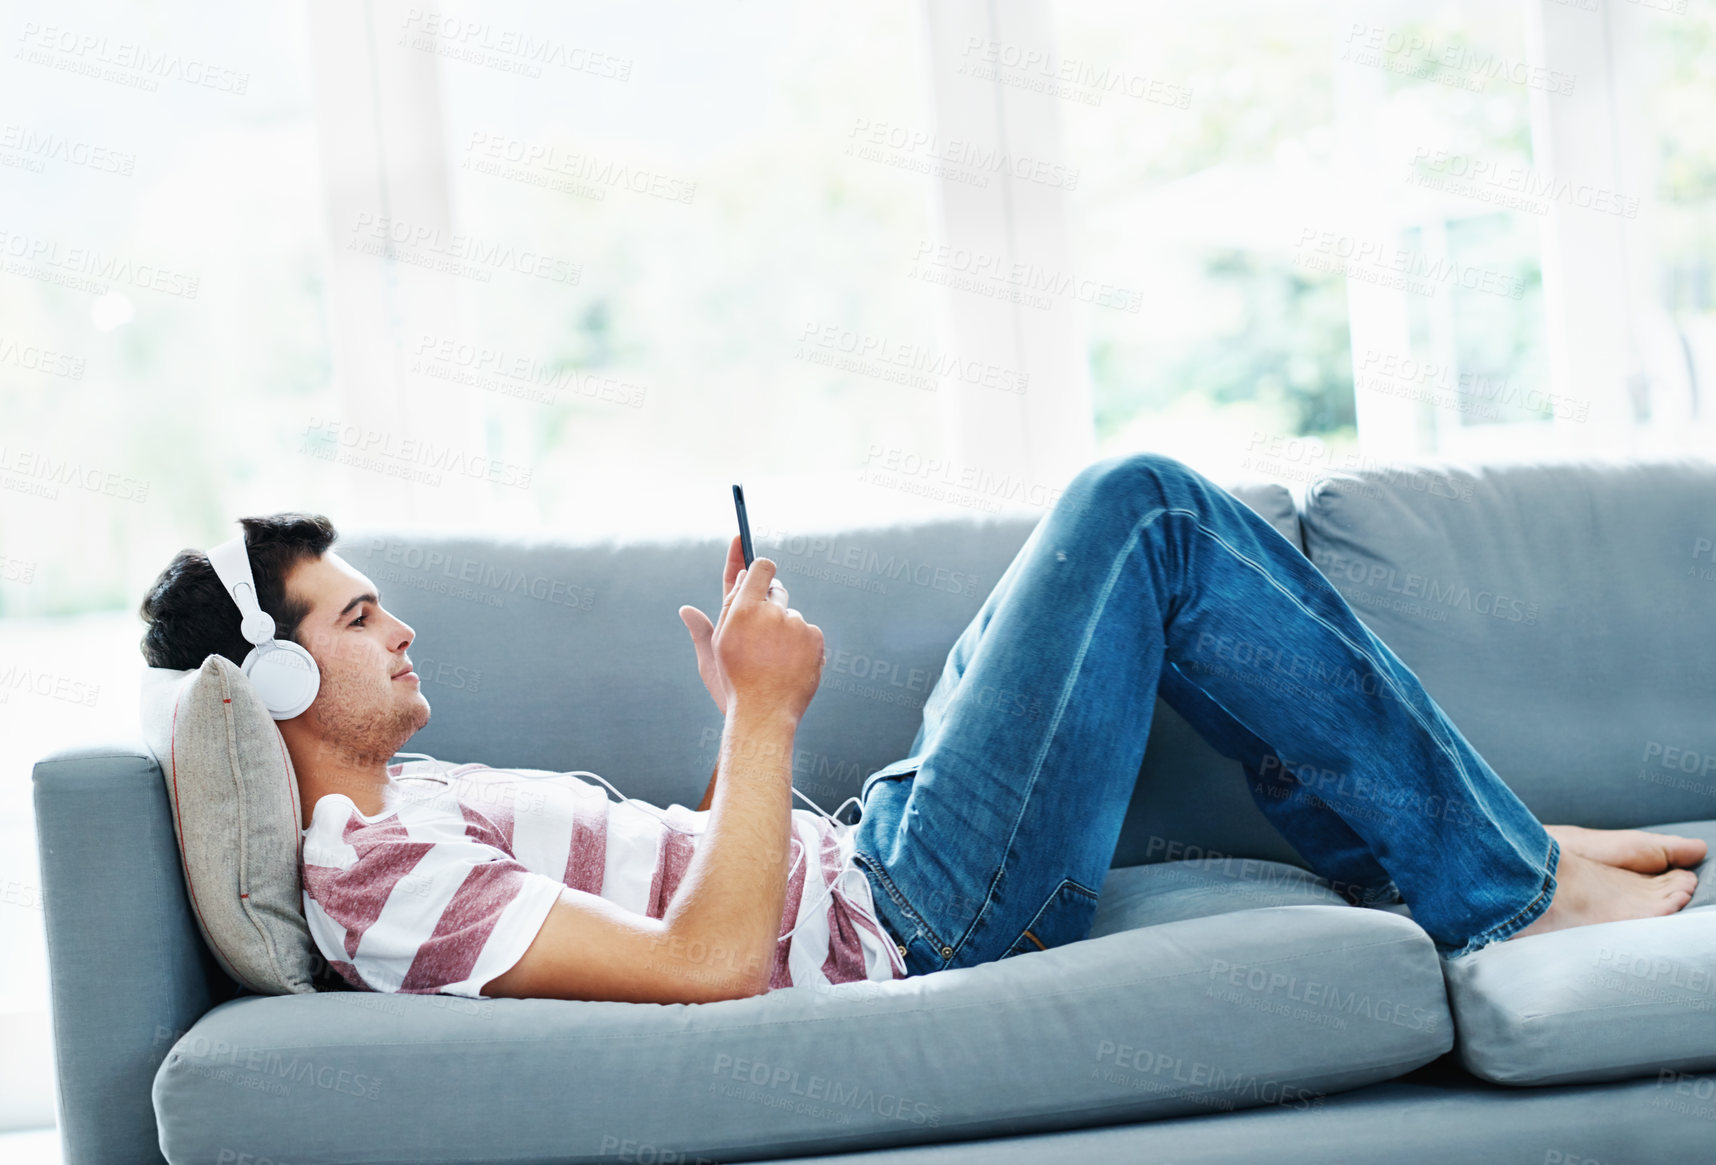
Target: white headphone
283 673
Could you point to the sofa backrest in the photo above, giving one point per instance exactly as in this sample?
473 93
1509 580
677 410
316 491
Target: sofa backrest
560 656
1563 614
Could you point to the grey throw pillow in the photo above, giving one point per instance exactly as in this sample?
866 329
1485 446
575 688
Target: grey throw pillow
234 799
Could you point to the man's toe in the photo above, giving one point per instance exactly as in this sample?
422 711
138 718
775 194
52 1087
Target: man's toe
1673 850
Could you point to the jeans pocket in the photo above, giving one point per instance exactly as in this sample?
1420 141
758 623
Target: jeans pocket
900 770
1065 918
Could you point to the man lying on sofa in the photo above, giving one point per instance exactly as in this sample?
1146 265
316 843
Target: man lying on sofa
990 840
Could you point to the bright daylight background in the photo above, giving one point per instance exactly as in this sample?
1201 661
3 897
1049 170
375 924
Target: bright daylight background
877 261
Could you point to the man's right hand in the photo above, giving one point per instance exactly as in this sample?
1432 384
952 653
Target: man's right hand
771 658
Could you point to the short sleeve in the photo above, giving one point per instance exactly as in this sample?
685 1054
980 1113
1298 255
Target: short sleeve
424 917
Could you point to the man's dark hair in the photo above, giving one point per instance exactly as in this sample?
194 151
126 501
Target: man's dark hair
189 613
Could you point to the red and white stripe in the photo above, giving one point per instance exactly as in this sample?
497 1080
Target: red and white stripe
448 890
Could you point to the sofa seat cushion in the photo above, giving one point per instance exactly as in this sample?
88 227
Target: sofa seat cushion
1123 1027
1148 895
1604 1002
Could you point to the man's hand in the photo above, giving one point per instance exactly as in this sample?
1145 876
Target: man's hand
703 632
779 654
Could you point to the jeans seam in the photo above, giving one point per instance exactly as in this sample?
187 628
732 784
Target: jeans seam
1060 709
1380 895
1054 894
1336 632
901 768
1519 921
899 899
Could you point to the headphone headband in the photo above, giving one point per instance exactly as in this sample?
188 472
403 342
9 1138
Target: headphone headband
283 673
231 561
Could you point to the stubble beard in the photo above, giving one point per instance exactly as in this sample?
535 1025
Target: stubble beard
358 734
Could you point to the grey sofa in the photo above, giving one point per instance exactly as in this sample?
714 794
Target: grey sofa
1227 1006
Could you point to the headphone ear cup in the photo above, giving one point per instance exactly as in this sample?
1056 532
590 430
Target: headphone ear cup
284 675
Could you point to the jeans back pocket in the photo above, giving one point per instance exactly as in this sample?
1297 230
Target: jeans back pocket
1065 918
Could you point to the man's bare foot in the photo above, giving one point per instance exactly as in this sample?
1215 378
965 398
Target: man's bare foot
1588 891
1630 849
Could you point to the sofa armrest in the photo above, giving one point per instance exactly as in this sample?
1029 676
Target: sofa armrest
128 971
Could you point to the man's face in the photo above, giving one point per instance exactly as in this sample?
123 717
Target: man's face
361 710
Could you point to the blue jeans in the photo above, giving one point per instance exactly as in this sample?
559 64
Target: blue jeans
993 837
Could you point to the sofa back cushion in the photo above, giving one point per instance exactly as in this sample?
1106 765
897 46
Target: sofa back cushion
560 655
1563 614
557 655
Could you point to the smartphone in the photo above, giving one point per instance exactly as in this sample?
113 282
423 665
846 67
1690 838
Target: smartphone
744 524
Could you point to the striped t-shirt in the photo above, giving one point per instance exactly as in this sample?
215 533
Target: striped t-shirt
449 889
